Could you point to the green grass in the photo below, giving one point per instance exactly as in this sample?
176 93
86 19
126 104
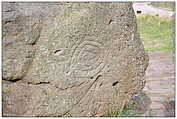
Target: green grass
157 33
112 113
125 112
169 7
165 5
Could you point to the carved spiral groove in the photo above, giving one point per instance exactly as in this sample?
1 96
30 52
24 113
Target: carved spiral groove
87 59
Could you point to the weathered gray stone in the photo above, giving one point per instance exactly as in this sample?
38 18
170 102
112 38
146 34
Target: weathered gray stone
84 59
18 51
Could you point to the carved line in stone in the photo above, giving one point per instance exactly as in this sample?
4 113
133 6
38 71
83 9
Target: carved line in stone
96 56
94 83
87 57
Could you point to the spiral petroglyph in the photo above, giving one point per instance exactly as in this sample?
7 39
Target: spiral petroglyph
87 59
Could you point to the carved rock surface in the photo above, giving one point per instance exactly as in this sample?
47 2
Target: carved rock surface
70 59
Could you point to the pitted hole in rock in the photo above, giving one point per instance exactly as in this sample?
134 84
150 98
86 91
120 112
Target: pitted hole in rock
101 84
110 21
56 51
127 27
122 15
115 83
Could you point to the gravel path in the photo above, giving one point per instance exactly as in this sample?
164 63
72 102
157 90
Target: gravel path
160 86
147 9
158 97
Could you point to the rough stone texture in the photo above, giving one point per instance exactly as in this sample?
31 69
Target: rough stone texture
70 59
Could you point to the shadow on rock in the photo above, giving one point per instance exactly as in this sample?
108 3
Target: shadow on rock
139 104
169 105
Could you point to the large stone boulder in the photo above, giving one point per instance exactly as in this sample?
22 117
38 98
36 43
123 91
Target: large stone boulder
70 59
